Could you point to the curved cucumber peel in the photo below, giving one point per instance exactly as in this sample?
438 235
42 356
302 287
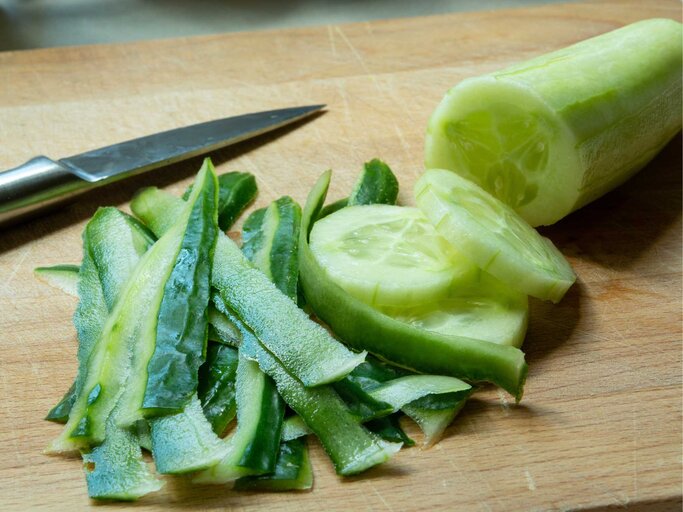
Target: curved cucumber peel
552 134
493 236
236 190
275 319
216 388
363 327
185 442
126 341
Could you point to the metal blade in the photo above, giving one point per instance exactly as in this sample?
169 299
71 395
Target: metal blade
145 153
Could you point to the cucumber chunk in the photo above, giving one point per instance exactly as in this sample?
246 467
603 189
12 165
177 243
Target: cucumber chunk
552 134
384 255
492 235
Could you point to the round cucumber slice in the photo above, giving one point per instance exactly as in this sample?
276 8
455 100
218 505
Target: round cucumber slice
484 309
492 235
385 255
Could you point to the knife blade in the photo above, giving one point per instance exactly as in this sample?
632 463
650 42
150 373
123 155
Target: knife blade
42 182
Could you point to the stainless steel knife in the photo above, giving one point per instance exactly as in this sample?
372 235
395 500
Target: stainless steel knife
42 182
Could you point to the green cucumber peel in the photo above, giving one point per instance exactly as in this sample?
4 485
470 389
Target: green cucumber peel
389 429
63 277
116 470
350 446
217 388
182 324
252 448
125 342
364 328
279 324
113 243
433 421
294 427
376 184
293 471
185 442
270 239
236 191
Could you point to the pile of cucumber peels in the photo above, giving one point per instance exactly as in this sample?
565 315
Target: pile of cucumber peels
198 351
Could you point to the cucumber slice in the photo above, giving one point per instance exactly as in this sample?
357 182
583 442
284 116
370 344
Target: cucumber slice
482 308
292 472
384 255
492 235
550 135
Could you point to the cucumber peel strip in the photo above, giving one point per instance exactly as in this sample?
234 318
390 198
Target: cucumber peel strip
279 324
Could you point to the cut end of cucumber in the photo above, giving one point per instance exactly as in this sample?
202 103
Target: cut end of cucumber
492 235
501 136
384 255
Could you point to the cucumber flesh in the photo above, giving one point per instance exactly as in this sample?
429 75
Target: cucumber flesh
492 235
384 255
480 307
549 135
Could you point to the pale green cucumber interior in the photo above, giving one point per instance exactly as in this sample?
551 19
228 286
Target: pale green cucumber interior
484 316
502 136
385 255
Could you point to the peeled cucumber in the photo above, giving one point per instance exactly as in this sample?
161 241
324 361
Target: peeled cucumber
552 134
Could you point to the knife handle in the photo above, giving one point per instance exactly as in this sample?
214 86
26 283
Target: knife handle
35 185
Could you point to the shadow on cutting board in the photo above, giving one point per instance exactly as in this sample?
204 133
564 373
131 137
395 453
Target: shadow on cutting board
120 192
618 229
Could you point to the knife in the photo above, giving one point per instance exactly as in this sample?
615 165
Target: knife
42 182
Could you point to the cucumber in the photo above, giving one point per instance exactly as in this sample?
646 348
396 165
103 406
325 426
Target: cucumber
389 429
216 389
434 413
113 244
182 322
279 324
385 255
363 327
236 190
117 366
493 236
552 134
63 277
115 470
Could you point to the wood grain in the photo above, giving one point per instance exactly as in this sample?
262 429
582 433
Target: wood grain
600 425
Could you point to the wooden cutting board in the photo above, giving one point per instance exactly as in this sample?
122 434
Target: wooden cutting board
600 424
